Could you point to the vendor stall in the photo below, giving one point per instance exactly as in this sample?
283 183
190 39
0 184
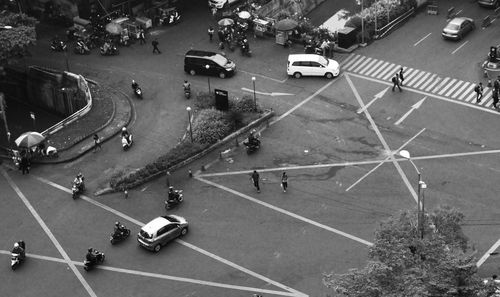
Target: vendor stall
284 29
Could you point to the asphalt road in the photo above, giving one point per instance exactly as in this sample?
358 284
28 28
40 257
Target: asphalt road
338 145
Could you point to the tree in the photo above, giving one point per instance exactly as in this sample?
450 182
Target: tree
17 32
402 264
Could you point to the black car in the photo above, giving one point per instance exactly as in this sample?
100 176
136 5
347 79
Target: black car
208 63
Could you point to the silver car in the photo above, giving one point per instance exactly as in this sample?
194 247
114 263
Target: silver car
458 27
162 230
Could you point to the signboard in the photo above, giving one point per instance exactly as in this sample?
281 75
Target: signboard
221 99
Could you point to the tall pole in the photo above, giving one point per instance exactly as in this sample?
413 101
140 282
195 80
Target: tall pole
421 185
254 97
208 78
3 110
362 25
66 58
189 119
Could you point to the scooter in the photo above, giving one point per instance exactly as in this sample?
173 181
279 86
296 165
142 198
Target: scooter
58 45
77 189
127 143
119 236
87 265
110 51
16 259
169 204
138 92
187 93
81 48
252 147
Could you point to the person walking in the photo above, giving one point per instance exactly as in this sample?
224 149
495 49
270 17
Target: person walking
211 33
494 95
255 179
401 75
155 43
284 181
97 143
142 37
25 164
496 84
479 92
395 81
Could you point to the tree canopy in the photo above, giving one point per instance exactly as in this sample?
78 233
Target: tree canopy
403 264
17 32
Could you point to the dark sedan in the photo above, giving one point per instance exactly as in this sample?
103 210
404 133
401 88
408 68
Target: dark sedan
457 28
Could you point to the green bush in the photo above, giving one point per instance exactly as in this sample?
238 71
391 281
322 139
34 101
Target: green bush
204 100
243 104
210 126
121 180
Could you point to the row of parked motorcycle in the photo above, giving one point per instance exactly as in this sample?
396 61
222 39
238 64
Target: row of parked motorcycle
83 47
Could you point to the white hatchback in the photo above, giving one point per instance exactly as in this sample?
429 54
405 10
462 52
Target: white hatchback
312 65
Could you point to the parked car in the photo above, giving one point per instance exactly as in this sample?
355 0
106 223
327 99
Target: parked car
162 230
208 63
489 3
312 65
458 27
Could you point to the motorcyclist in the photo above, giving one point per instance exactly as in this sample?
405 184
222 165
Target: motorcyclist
187 86
119 228
126 135
78 181
252 140
91 255
173 195
19 249
135 85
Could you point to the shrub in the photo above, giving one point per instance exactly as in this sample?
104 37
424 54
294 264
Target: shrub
210 126
235 117
204 100
245 104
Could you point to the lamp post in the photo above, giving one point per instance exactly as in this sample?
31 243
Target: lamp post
254 97
421 185
208 78
362 26
190 127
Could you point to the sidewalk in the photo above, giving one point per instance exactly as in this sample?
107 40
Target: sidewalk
111 110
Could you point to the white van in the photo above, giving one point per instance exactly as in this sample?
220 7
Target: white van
312 65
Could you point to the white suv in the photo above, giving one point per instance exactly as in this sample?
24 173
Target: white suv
221 3
312 65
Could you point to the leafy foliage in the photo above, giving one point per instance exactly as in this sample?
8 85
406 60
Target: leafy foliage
15 41
210 126
403 264
245 104
204 100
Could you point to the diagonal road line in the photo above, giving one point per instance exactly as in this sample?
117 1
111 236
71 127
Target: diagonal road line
487 254
163 276
286 212
381 138
42 224
182 242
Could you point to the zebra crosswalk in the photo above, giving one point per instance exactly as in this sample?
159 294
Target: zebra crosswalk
448 87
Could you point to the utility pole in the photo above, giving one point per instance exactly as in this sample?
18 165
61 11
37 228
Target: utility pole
3 111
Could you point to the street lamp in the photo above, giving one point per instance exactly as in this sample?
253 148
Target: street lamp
6 27
254 97
421 185
362 26
190 127
208 78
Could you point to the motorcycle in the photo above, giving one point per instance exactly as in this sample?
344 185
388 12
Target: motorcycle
170 19
58 45
16 259
124 40
245 50
111 50
169 204
252 147
81 48
77 189
87 265
187 93
119 236
127 143
138 92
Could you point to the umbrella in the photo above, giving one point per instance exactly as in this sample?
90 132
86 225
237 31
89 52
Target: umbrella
226 22
29 139
286 25
114 28
244 15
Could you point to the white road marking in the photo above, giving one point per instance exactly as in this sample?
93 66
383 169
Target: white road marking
413 107
422 39
385 160
200 250
375 67
49 233
376 73
459 91
272 94
447 86
263 76
304 101
487 254
285 212
377 96
164 276
381 138
453 52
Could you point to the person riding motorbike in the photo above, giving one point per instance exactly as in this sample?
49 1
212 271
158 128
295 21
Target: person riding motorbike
125 134
19 249
173 195
119 228
252 140
78 181
135 85
91 255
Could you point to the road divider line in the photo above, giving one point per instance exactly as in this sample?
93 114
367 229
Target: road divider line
453 52
381 139
285 212
51 236
488 253
263 76
182 242
422 39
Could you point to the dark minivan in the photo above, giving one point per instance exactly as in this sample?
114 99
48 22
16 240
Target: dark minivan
208 63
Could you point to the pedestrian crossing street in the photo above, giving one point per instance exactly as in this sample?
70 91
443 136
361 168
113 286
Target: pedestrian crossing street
417 79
